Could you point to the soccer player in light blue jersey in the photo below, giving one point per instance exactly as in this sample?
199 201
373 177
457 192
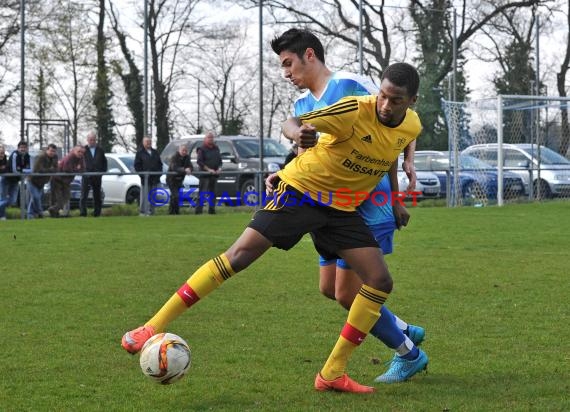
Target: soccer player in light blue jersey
302 59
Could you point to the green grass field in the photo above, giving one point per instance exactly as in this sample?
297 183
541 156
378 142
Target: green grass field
490 285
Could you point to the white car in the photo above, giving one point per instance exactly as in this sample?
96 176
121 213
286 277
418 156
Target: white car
121 187
124 185
190 185
427 184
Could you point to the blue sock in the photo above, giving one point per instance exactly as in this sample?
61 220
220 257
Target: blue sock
387 331
413 354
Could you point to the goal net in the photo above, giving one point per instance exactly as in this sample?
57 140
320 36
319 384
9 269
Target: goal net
508 148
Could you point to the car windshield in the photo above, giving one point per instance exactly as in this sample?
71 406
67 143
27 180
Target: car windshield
250 148
547 156
470 162
466 162
129 161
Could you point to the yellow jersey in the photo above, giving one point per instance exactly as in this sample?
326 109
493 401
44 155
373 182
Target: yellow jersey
352 154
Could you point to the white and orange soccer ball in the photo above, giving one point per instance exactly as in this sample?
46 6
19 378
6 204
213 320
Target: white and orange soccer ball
165 358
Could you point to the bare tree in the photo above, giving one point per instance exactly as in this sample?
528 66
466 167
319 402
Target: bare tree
338 20
70 40
561 86
227 76
132 81
168 21
102 95
511 39
9 29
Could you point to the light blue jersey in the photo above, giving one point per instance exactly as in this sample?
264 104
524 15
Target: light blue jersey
342 84
380 213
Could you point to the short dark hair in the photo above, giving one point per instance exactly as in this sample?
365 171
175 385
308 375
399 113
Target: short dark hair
403 75
22 143
52 146
298 41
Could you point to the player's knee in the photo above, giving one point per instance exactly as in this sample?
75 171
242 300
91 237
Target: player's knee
238 260
386 284
381 281
326 292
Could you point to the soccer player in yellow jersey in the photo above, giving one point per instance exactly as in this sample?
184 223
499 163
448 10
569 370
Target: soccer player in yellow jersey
302 58
361 138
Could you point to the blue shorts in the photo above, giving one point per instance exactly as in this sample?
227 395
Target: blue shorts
384 235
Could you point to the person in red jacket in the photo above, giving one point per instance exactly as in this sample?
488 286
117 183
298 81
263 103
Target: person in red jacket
61 185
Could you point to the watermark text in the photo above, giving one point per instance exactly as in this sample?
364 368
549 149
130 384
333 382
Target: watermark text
343 197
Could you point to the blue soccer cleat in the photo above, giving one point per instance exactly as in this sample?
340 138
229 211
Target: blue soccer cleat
416 334
401 369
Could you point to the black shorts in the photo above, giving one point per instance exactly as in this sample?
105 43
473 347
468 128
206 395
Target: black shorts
293 214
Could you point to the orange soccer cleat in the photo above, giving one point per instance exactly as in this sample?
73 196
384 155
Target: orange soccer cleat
342 384
134 340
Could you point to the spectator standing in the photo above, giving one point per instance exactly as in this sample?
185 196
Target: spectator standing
3 169
179 163
61 185
46 163
95 161
18 162
209 162
147 159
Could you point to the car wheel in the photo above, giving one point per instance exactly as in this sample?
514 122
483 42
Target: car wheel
133 196
541 190
475 193
252 198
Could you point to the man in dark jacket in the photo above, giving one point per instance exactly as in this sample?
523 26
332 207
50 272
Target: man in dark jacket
147 159
46 163
95 161
3 169
210 163
179 163
18 162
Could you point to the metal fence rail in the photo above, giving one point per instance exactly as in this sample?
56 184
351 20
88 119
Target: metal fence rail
23 177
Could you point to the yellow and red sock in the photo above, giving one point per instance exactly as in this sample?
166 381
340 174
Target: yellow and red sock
363 314
207 278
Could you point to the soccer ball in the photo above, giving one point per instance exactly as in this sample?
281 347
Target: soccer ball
165 358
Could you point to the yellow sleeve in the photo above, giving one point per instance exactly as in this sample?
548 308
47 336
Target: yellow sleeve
337 119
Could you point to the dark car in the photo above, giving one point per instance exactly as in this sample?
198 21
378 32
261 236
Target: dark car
478 181
240 162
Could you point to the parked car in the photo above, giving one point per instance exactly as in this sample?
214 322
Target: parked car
76 193
121 187
427 184
477 179
126 187
523 160
240 161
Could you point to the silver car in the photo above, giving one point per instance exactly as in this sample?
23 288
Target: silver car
523 159
427 183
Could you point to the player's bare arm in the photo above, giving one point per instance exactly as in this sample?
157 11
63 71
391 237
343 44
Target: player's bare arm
401 214
408 165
